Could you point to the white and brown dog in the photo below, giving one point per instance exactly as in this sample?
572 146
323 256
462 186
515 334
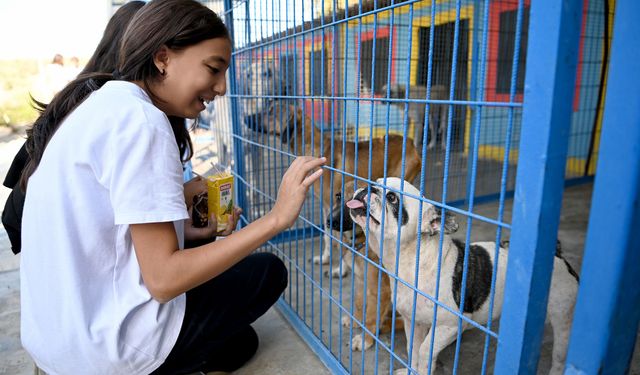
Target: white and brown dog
481 259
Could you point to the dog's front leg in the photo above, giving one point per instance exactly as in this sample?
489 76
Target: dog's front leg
442 126
345 264
413 346
445 334
418 123
326 250
326 247
433 126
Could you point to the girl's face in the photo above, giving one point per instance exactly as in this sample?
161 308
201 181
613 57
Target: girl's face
193 76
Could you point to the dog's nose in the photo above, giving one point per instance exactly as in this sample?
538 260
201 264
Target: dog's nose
329 223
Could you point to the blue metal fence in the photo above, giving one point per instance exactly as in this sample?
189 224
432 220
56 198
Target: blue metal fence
604 333
357 81
554 36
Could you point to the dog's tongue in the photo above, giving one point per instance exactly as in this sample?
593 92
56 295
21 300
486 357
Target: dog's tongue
354 203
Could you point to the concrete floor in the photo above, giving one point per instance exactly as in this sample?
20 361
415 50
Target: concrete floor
282 351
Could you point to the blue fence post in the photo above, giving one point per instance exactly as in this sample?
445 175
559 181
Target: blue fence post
607 311
474 94
549 87
236 120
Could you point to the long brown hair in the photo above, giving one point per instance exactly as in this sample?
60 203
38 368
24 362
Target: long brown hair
176 24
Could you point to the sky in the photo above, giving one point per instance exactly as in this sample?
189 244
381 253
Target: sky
42 28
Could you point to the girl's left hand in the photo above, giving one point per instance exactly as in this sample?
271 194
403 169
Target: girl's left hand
210 231
231 223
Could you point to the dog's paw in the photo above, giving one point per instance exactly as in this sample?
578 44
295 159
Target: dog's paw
320 259
346 321
337 273
401 371
357 344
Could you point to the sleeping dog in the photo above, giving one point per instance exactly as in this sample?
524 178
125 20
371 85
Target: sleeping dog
564 284
365 280
297 131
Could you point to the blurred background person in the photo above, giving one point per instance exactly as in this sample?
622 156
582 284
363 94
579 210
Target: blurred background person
104 59
73 68
51 79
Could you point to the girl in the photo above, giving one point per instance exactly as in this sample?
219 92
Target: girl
104 286
104 59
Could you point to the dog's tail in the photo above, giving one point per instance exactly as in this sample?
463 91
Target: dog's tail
505 245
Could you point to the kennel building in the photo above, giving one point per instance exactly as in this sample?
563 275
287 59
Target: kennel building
333 64
313 66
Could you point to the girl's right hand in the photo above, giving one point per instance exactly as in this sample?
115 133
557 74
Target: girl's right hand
294 187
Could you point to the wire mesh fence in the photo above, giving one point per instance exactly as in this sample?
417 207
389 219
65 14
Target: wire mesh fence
427 91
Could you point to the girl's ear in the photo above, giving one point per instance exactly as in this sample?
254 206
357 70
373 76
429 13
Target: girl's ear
161 59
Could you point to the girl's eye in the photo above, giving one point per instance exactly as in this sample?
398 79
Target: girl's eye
392 197
214 70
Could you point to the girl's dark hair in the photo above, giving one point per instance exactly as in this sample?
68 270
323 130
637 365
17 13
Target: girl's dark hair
176 24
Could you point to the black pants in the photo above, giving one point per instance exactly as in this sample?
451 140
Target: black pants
215 333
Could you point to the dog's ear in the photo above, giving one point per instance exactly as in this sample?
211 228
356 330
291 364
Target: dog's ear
393 91
432 221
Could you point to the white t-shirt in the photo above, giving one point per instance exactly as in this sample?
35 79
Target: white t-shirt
113 162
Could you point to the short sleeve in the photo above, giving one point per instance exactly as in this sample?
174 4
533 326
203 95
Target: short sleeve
145 174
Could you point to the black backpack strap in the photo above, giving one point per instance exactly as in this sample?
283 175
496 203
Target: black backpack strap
12 218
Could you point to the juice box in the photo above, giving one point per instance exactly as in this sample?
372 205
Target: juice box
220 197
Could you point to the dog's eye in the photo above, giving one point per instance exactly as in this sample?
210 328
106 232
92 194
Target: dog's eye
391 197
338 196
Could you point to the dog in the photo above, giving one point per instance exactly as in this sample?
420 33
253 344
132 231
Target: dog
298 132
365 281
260 81
437 112
481 259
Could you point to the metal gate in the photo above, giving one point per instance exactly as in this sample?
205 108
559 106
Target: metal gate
368 82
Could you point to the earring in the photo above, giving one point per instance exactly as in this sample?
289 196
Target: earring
162 72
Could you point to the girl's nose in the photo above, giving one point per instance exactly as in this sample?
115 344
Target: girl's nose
221 86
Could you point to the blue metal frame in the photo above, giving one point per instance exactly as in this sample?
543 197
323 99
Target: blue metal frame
604 333
323 353
236 120
552 60
551 74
